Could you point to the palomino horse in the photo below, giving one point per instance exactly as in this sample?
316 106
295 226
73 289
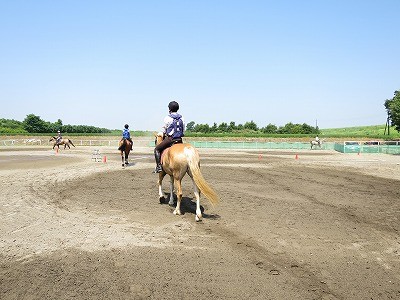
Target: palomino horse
65 142
125 146
178 160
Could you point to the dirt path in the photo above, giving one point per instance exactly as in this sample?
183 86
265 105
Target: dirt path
322 226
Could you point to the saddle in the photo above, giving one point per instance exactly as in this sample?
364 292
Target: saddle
123 144
165 151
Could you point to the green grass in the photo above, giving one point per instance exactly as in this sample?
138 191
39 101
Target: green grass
370 132
373 131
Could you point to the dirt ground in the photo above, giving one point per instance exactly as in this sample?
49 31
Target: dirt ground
290 225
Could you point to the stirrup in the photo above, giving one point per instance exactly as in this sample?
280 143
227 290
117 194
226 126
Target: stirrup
158 169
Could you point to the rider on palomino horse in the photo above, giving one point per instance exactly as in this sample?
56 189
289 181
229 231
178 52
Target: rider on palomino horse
173 130
126 135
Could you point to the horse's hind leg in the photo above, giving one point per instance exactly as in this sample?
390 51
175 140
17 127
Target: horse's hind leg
160 191
177 210
199 216
171 189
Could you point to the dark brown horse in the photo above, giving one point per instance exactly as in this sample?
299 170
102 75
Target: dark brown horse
125 146
65 142
178 160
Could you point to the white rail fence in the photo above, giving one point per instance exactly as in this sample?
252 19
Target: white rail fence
79 142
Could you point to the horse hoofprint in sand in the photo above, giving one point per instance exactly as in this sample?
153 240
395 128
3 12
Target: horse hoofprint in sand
178 160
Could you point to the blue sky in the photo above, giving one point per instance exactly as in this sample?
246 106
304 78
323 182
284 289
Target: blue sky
107 63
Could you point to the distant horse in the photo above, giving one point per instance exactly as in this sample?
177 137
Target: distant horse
178 160
125 146
316 143
65 142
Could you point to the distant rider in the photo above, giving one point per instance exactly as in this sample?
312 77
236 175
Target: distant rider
173 130
59 137
126 135
317 140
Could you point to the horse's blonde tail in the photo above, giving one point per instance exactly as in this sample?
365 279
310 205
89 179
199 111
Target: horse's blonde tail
194 166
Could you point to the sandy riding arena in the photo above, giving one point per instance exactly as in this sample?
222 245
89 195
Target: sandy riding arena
323 225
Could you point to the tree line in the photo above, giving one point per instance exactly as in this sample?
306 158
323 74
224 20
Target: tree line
393 110
251 126
34 124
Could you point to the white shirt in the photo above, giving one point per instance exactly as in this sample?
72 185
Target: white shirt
168 121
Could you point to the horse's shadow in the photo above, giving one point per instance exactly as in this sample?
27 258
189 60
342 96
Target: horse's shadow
189 206
129 165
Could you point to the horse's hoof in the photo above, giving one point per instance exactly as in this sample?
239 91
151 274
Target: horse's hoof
197 218
162 200
171 203
177 212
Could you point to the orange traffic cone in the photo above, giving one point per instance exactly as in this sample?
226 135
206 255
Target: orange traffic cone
104 159
296 157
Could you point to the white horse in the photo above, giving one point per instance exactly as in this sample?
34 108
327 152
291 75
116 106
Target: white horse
316 143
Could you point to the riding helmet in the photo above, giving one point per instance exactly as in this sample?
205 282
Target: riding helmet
126 126
173 106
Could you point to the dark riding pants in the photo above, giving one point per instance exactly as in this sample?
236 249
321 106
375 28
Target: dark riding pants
167 142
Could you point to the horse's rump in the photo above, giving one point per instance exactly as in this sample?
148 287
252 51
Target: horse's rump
186 156
124 144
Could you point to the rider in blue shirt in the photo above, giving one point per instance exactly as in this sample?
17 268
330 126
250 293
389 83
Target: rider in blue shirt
126 135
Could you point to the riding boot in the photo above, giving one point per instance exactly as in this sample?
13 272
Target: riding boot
157 156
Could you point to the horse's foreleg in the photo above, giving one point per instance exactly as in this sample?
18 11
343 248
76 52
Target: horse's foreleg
171 189
177 210
160 191
122 159
126 158
199 216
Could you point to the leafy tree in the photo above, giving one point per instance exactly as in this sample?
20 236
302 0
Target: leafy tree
232 126
223 127
307 129
11 126
190 126
270 128
34 124
393 109
205 128
250 125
